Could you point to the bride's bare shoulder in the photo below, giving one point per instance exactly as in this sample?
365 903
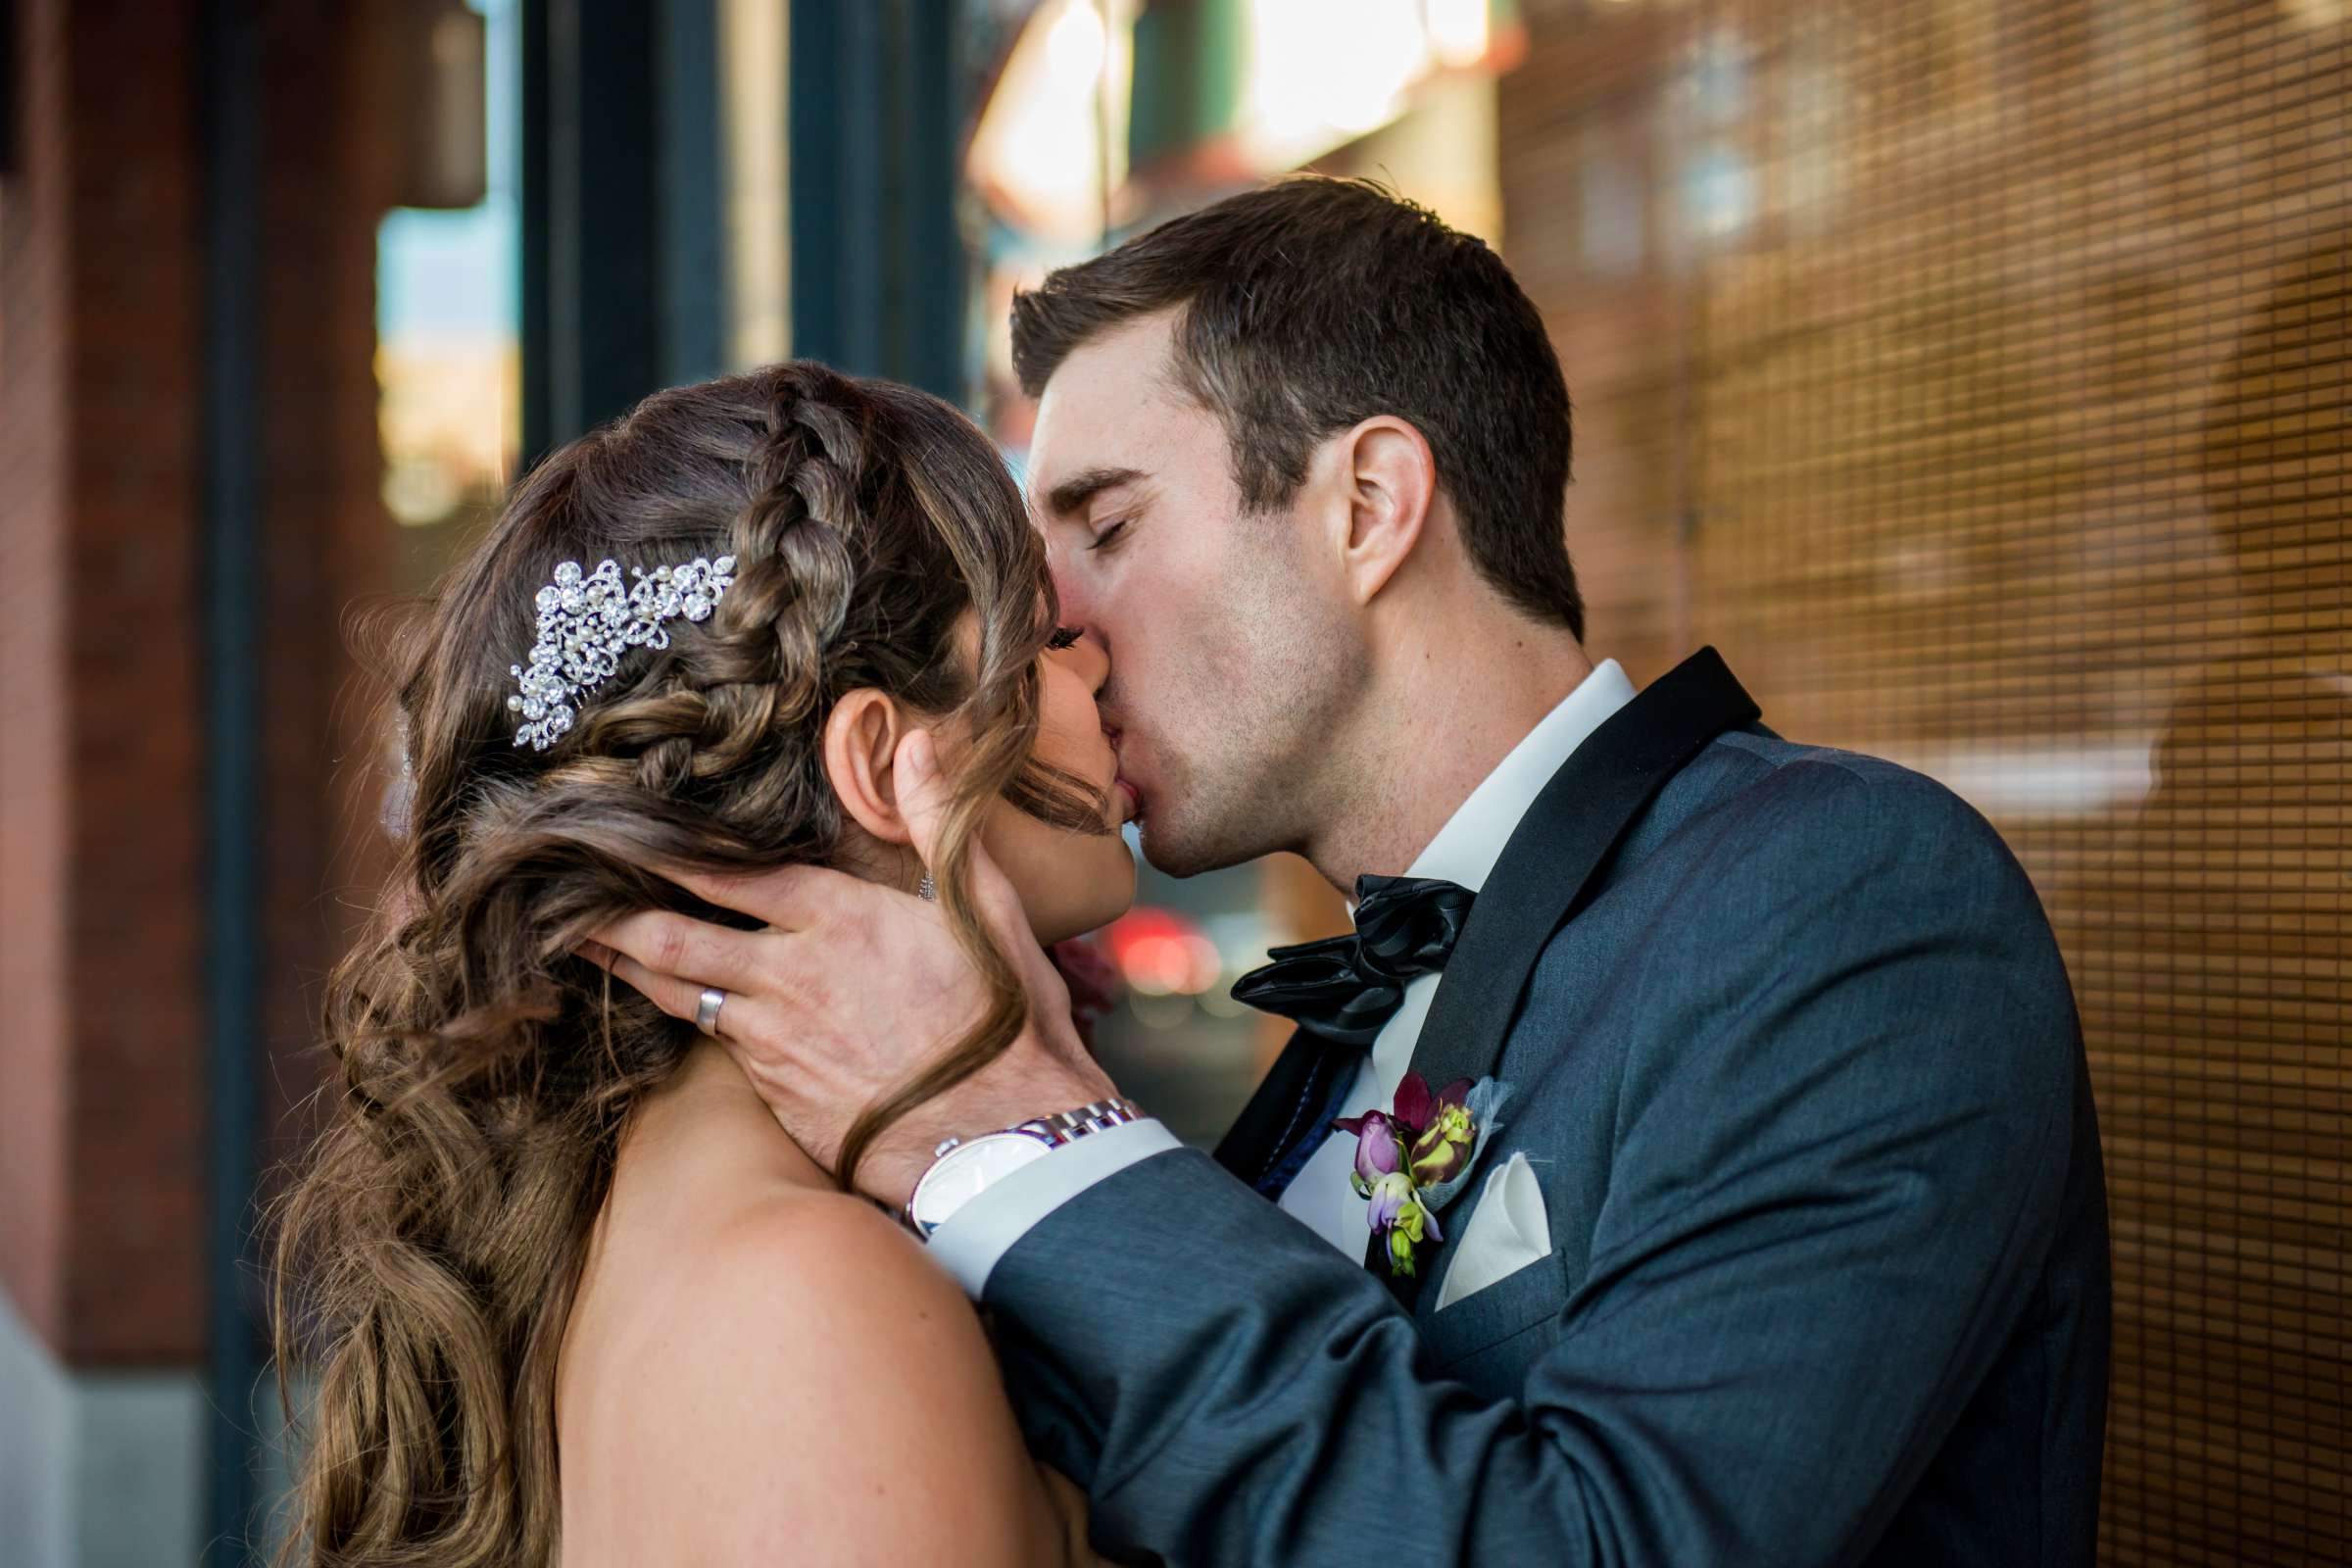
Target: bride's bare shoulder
777 1300
820 1292
823 1388
844 1267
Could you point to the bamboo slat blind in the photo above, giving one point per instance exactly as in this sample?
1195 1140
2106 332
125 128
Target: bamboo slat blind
1974 373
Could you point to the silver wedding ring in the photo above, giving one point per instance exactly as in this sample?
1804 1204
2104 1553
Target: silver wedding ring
705 1014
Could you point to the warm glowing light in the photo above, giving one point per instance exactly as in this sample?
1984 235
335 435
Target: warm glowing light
1052 140
1459 31
1323 72
1075 48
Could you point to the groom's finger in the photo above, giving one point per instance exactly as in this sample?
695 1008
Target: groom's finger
680 947
677 997
789 898
922 794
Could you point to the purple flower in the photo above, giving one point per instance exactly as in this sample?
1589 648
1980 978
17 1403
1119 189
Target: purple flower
1396 1214
1414 1104
1379 1148
1425 1139
1392 1195
1416 1107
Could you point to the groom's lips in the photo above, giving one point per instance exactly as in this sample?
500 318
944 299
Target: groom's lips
1133 797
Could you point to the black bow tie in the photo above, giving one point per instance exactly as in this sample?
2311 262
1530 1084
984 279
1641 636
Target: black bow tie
1344 988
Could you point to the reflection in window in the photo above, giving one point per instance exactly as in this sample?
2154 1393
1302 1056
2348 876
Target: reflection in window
447 305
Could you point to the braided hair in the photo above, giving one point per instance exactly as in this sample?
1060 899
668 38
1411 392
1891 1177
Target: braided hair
428 1250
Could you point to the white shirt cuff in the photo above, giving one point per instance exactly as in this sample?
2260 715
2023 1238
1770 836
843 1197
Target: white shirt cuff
980 1233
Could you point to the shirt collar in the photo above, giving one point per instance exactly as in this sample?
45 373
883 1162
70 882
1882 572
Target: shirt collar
1467 848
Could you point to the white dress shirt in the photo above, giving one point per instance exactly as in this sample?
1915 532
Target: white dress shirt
1465 852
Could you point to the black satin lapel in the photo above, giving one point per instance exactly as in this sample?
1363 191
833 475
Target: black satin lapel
1253 1144
1549 860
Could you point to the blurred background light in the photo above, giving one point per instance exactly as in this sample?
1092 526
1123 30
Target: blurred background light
1051 143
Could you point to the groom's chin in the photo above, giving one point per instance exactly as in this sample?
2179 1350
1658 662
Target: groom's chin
1172 852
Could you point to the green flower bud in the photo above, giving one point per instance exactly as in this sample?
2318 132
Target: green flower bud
1441 1151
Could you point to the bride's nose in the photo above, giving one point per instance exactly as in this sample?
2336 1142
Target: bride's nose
1091 659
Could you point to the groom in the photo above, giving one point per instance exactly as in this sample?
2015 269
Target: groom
1780 1236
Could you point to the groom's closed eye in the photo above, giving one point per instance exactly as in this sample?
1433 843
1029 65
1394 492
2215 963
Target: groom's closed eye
1071 497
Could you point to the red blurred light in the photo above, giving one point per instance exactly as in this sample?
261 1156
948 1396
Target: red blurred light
1159 953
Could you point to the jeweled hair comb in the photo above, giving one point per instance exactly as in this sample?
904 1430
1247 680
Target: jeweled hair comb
588 622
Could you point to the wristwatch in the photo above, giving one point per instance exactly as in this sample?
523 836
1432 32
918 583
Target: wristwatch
963 1168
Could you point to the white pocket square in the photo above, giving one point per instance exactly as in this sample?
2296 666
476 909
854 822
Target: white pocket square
1507 1231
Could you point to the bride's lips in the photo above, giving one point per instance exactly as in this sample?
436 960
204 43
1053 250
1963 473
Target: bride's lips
1133 797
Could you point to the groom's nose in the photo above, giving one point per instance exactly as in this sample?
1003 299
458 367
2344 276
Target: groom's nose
1077 604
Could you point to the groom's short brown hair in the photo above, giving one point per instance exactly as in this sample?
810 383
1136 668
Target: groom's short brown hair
1312 304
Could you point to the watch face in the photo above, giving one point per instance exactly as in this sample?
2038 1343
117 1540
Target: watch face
967 1169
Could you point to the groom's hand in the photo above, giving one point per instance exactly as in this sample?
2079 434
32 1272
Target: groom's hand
852 988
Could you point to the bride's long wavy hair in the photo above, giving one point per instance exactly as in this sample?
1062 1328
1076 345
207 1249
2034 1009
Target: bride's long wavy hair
428 1253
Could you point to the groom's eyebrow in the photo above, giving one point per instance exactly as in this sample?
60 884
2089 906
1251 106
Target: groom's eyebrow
1071 495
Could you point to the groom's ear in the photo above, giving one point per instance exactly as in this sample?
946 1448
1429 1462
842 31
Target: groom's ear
861 738
1391 482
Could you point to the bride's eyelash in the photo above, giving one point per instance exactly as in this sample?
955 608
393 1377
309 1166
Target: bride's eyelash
1063 637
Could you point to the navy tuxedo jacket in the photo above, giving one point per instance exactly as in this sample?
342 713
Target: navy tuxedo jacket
1794 1060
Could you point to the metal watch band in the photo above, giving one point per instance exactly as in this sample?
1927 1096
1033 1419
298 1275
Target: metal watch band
1054 1131
1071 1125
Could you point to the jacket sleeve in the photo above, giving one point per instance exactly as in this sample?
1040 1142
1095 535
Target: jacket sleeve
1839 1158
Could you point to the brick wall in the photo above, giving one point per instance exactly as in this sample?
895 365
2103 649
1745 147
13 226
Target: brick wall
32 700
99 1009
102 739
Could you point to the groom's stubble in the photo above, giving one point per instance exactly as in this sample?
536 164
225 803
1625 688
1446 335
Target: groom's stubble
1251 732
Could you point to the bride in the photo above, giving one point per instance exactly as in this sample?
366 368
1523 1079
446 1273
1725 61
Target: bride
563 1284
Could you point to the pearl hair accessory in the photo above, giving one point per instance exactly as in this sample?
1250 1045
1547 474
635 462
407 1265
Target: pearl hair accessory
587 623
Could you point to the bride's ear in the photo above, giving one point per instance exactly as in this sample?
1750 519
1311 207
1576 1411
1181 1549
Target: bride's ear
861 737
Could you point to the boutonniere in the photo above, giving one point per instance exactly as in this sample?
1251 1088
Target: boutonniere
1411 1159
